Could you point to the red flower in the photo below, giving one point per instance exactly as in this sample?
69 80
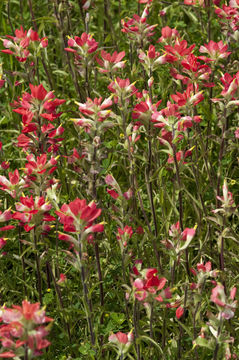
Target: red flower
190 97
13 185
215 50
125 234
122 341
179 312
39 98
37 109
178 51
151 59
112 193
111 63
85 44
40 164
144 110
226 306
62 279
21 43
194 2
78 215
123 90
21 328
168 34
150 284
7 354
137 28
32 211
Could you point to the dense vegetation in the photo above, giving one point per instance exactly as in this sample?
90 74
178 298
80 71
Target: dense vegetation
119 179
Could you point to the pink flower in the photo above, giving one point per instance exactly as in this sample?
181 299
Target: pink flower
215 50
122 341
112 193
152 58
110 180
188 234
179 312
137 28
32 212
21 42
194 2
40 164
150 285
62 279
85 44
204 268
119 337
111 63
168 34
226 306
2 243
237 133
78 215
23 326
13 185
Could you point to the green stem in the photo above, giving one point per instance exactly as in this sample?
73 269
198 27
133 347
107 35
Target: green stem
89 312
38 268
135 320
58 292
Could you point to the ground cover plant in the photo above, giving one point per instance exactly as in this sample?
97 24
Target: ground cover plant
119 179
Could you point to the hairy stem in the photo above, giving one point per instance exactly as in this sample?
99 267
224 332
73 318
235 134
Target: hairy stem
88 303
135 320
58 292
38 268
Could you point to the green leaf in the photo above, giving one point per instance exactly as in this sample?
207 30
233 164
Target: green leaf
118 318
148 339
204 343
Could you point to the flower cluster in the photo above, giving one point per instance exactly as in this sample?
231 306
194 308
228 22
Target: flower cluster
79 217
137 29
228 206
151 59
123 236
226 306
122 341
111 63
123 90
83 47
38 112
31 212
14 185
23 328
149 286
24 44
96 112
180 240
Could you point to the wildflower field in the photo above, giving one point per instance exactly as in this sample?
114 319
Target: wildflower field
119 138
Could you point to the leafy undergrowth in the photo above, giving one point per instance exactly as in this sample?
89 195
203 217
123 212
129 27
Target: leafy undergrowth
119 179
